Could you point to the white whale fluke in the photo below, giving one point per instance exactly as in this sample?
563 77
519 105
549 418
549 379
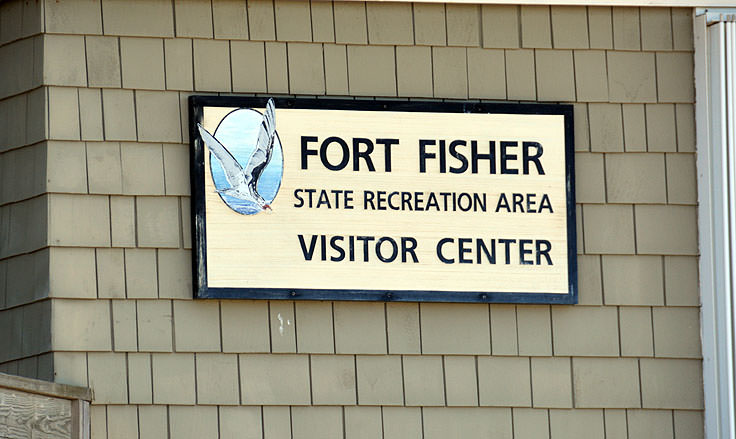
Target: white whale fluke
244 182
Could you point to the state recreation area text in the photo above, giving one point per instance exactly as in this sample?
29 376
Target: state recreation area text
421 201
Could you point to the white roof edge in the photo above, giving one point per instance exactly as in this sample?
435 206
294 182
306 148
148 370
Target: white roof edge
662 3
715 15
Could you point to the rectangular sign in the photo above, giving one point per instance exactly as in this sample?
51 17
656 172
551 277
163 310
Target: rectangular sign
383 200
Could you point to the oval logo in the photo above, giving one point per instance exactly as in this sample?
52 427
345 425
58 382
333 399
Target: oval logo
246 159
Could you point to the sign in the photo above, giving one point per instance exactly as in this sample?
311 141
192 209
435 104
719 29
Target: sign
383 200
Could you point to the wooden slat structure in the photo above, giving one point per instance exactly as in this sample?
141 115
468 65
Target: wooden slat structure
31 408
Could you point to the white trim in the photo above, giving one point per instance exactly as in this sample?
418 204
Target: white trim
716 15
662 3
716 162
705 230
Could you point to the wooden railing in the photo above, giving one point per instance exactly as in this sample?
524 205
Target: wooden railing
32 408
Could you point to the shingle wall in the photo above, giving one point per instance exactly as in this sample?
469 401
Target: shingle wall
25 312
95 215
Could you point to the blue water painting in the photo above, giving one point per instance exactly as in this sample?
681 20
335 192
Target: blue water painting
238 132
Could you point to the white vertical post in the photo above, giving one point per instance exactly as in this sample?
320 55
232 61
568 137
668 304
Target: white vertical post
730 79
715 81
727 135
731 140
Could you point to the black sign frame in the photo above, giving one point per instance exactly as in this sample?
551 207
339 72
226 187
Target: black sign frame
199 236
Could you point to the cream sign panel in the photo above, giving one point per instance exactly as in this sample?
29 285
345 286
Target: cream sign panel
370 200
